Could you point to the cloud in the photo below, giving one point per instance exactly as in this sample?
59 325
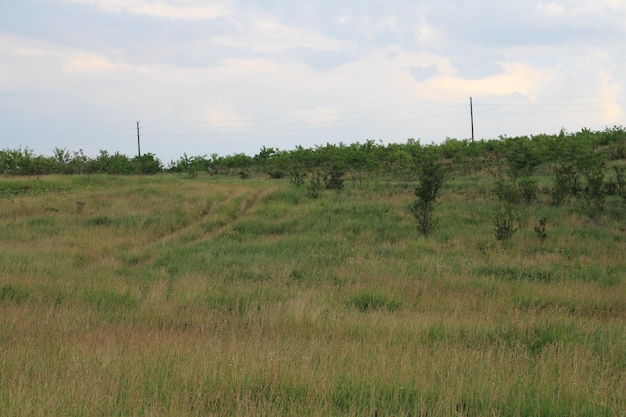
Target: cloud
42 63
266 35
551 10
516 78
422 73
168 9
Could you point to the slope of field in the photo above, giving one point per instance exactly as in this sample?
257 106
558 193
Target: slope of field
165 296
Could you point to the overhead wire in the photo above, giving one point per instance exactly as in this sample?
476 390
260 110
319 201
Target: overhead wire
326 120
301 123
104 133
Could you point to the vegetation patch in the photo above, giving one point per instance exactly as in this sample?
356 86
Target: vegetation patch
514 273
14 293
369 301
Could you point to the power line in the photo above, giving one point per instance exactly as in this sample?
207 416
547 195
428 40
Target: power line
74 135
327 120
220 130
340 114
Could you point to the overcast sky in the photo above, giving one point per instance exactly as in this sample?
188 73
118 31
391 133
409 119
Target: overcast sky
225 77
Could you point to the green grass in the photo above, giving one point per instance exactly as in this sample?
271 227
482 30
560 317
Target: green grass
217 296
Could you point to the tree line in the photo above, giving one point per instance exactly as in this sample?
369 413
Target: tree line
577 151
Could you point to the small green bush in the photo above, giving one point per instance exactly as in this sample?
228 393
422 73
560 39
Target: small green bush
432 176
503 222
314 187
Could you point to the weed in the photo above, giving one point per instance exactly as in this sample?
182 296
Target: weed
540 229
371 301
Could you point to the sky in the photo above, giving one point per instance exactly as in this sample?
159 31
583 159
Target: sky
232 76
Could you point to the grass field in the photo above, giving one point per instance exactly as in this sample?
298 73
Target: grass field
167 296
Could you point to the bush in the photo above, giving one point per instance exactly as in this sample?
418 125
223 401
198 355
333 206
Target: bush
566 184
431 180
333 180
314 187
507 191
297 177
595 192
528 190
504 223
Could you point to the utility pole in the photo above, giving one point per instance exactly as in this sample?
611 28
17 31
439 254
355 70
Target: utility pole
472 117
138 141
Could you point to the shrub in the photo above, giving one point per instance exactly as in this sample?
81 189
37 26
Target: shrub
431 180
504 223
297 177
617 184
507 191
566 184
594 192
528 189
333 180
314 187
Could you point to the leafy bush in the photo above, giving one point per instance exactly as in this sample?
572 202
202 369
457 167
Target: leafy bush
297 177
431 180
507 191
333 180
594 192
528 189
314 187
504 220
566 183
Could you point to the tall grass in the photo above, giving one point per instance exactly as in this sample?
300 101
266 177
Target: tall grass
195 297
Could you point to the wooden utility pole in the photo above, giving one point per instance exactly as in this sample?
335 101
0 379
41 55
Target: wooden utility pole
138 141
472 117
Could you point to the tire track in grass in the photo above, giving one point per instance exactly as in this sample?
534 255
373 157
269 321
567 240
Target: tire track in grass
208 226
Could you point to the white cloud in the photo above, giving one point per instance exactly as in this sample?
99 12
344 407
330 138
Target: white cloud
266 35
42 63
581 8
169 9
551 10
426 35
516 78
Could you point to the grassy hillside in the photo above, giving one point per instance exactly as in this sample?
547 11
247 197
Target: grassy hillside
171 296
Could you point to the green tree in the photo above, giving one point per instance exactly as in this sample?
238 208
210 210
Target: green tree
147 164
431 178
